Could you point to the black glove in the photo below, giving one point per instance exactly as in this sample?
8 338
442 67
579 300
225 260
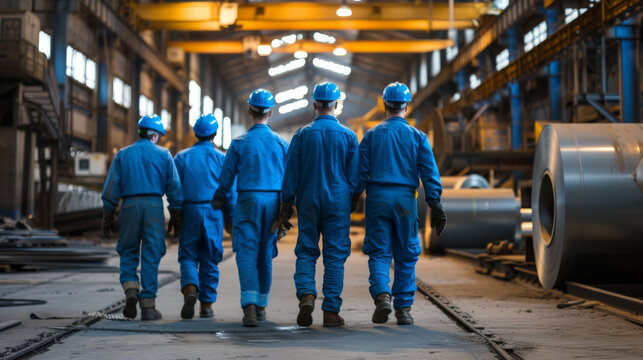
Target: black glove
218 204
438 216
286 211
108 224
355 202
283 229
227 225
175 222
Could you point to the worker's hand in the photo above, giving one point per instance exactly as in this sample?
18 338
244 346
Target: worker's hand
438 216
227 225
355 202
175 222
218 204
108 225
283 230
286 211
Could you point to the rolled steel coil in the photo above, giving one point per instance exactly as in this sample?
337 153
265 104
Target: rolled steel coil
473 181
587 203
475 218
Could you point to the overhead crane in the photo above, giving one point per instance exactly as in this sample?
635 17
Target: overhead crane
216 16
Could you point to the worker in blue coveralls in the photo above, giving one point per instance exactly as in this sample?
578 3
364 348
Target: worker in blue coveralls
321 177
140 174
200 244
257 160
393 157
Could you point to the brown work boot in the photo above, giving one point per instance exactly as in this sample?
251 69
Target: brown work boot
403 316
189 299
332 319
131 298
382 308
250 315
148 310
206 310
261 313
306 307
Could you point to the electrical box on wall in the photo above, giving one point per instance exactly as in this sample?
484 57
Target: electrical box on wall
90 164
21 26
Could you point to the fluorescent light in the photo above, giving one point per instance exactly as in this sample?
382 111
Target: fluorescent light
288 39
218 138
323 38
296 105
291 94
332 66
344 11
301 54
264 50
339 51
456 96
294 64
342 95
276 43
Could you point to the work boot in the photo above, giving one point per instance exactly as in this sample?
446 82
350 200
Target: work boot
250 315
131 298
306 307
403 316
382 308
332 319
148 310
206 310
189 299
261 313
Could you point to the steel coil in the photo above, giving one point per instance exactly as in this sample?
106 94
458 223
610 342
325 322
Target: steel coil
475 218
587 204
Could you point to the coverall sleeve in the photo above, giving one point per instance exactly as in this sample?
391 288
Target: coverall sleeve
429 173
292 171
178 162
173 188
352 165
231 202
112 189
364 164
228 174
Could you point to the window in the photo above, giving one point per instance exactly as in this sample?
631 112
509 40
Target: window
218 139
194 98
468 35
502 59
166 119
474 82
121 93
572 14
452 51
80 68
435 63
535 36
295 105
44 44
501 4
208 105
227 132
424 72
145 106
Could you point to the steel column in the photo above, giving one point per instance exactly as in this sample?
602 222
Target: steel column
626 32
103 95
513 43
555 84
59 48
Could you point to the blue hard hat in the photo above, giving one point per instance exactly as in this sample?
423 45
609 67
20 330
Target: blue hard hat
261 100
326 91
206 125
152 122
397 92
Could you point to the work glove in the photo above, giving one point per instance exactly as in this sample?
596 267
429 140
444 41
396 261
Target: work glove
108 225
218 204
175 222
283 229
286 211
438 216
227 225
355 202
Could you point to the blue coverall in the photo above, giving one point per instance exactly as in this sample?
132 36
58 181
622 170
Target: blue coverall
321 175
393 156
257 160
200 243
140 174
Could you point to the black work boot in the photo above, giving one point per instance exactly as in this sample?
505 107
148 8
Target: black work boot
382 308
131 298
250 315
206 310
189 299
148 310
332 319
261 313
403 316
306 307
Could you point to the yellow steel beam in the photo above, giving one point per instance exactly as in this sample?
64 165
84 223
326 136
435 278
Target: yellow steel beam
204 16
311 46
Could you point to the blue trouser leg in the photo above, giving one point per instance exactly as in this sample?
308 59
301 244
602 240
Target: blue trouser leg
405 253
307 248
128 246
377 245
189 242
255 245
335 229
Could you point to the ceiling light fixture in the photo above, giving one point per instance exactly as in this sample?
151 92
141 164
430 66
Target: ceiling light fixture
339 51
264 50
344 10
301 54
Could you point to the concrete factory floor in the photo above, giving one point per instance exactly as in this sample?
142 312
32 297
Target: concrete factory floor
522 316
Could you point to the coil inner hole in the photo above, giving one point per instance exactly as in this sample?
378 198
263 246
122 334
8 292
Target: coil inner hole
546 208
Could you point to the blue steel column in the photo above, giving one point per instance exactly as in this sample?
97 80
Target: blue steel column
136 94
103 97
626 32
513 42
59 52
555 84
